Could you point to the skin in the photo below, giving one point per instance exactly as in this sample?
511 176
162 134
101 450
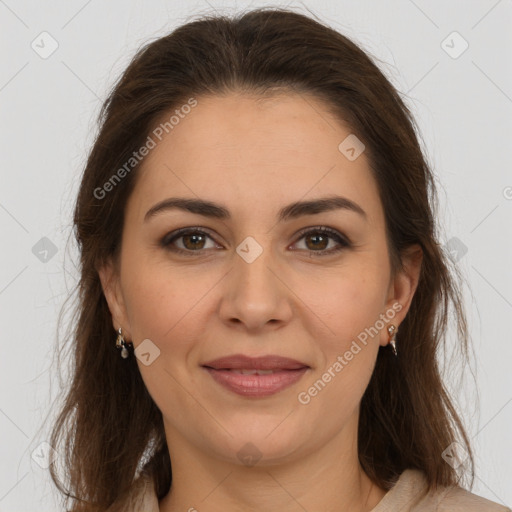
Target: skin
255 156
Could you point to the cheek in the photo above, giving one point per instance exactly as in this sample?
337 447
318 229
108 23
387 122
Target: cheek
167 307
346 302
168 318
163 302
349 305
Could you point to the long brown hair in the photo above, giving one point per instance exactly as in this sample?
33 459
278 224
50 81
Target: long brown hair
108 425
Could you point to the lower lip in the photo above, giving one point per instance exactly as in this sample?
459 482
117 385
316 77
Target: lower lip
256 385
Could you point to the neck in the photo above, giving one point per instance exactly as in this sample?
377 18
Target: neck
328 477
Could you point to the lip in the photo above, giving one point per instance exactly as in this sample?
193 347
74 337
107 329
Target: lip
256 385
286 372
241 362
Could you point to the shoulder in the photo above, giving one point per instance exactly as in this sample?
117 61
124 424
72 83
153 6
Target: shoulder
409 494
455 499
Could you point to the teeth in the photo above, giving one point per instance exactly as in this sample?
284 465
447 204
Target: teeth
253 372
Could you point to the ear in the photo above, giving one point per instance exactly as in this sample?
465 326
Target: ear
111 285
402 287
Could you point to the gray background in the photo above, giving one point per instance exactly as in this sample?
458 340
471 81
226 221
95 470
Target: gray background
48 107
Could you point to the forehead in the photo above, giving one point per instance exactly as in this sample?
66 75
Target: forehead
252 152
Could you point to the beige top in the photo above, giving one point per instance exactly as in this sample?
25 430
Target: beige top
402 497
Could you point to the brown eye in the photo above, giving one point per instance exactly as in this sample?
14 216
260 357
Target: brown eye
317 241
187 240
193 241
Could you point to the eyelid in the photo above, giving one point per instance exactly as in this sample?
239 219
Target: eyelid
173 235
324 229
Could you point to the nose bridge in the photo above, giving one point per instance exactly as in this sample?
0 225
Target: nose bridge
252 267
255 292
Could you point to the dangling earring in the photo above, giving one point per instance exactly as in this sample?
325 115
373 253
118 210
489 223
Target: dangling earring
392 330
120 343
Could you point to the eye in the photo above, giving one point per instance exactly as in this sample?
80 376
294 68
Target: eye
191 240
317 240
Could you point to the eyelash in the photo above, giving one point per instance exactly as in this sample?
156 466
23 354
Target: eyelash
168 239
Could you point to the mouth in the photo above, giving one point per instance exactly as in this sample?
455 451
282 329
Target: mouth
251 372
242 362
256 376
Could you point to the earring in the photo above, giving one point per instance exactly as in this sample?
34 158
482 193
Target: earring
392 330
120 343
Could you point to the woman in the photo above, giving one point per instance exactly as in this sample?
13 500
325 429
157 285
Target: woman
258 241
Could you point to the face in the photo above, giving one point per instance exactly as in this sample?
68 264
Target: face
256 279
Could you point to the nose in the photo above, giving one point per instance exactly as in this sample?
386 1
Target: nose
255 294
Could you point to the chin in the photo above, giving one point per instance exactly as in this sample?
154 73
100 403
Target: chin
265 446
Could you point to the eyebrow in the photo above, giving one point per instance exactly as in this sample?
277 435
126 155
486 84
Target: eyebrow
292 211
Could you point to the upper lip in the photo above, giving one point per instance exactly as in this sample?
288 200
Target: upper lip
242 362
